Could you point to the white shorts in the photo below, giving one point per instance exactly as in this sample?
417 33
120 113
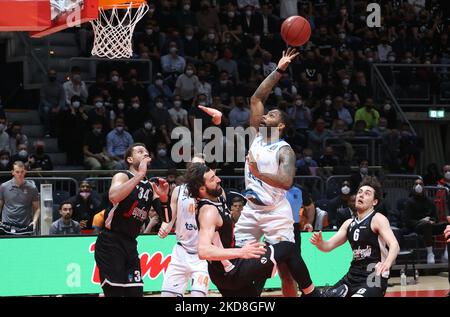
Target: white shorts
182 267
274 222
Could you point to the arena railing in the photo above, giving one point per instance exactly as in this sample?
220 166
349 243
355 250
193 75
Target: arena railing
368 144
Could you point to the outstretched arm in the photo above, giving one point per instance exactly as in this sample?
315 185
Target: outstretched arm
286 169
335 241
264 89
381 225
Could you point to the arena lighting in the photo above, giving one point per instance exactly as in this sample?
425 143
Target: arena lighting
436 114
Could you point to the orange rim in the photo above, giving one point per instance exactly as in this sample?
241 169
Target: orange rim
120 4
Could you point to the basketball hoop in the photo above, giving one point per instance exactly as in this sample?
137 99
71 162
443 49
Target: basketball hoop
114 27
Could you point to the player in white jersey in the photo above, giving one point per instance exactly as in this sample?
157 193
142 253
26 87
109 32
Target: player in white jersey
269 173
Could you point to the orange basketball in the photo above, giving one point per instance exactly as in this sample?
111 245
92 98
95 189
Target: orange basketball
295 30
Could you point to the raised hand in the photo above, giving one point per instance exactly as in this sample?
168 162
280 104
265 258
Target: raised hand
164 230
161 189
142 170
288 56
252 165
316 238
253 250
215 114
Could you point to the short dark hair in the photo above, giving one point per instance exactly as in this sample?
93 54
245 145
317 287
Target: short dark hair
195 178
373 182
130 150
66 202
237 199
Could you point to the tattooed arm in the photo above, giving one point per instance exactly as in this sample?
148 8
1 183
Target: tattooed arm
286 169
264 89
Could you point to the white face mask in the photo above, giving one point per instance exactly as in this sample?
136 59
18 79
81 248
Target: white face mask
308 159
98 104
257 67
370 59
135 105
231 14
119 129
186 7
76 104
299 102
23 153
447 175
248 13
342 36
149 31
148 126
173 50
121 105
211 36
189 37
364 170
159 82
4 162
387 107
159 105
224 82
345 82
328 102
2 127
345 190
189 72
391 58
162 152
115 78
177 103
418 189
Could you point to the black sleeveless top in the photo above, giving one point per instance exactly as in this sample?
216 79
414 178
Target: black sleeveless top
128 216
224 236
367 246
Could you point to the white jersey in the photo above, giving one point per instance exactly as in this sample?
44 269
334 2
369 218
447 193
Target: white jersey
186 225
266 157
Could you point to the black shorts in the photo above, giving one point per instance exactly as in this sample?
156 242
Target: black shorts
350 288
117 259
243 279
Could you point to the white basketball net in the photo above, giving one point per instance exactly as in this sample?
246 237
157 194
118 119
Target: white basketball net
113 31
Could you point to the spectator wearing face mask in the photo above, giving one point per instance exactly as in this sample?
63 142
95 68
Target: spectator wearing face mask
99 113
172 63
73 123
94 149
148 135
75 86
39 160
97 87
306 165
162 159
240 114
159 89
251 21
348 212
337 204
5 165
224 88
136 114
134 87
21 155
382 129
178 114
187 85
185 15
421 217
116 87
445 182
16 136
118 140
52 100
356 178
207 18
317 136
4 136
162 121
85 206
387 111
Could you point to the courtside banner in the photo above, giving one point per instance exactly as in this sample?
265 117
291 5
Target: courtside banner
65 265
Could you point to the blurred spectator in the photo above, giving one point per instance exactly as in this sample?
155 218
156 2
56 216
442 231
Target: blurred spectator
75 86
387 111
268 66
153 224
410 148
19 201
224 88
356 178
178 114
4 136
97 88
300 114
361 89
5 165
285 88
39 160
288 8
240 114
85 206
172 63
237 204
136 115
162 159
271 23
185 15
147 135
16 137
228 64
328 158
341 112
445 181
349 212
230 22
368 114
65 225
94 149
433 175
22 155
209 46
162 121
207 18
204 87
382 130
159 89
117 88
337 205
72 126
324 111
360 129
52 100
99 113
383 49
118 140
317 137
306 165
187 85
135 88
421 217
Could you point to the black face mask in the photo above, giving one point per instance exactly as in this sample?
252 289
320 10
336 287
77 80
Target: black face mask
51 78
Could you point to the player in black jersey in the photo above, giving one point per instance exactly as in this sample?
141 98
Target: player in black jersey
447 236
369 234
132 196
235 271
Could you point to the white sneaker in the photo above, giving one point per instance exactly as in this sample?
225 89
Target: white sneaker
430 258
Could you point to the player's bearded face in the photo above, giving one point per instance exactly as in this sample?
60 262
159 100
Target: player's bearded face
215 191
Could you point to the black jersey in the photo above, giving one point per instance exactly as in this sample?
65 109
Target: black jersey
224 236
128 216
367 246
